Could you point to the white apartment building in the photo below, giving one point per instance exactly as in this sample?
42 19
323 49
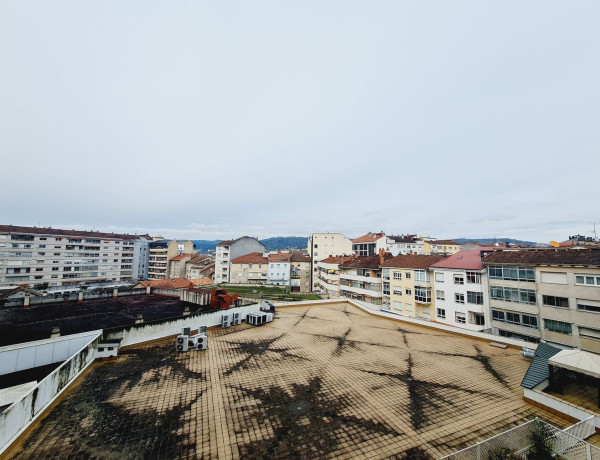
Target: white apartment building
360 278
370 244
461 290
405 244
228 250
323 245
328 275
546 294
38 255
279 268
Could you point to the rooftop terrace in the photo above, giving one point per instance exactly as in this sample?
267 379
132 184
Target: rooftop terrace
319 382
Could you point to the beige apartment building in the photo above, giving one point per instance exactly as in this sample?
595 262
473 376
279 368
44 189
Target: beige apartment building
328 275
200 266
551 295
177 265
161 253
323 245
300 271
250 269
360 278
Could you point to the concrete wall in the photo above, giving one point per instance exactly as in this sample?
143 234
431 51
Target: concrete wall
15 419
27 355
138 333
547 401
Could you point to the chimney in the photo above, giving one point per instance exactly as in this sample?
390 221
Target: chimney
381 256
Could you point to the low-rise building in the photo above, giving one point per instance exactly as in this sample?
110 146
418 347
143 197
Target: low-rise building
250 268
410 285
546 294
200 266
405 244
460 287
328 275
360 278
177 265
228 250
370 244
324 245
441 247
279 268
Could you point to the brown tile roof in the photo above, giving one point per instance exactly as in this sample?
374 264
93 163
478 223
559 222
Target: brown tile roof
252 258
225 242
336 259
418 261
280 257
368 238
299 257
180 257
201 282
365 261
60 232
403 238
586 257
173 283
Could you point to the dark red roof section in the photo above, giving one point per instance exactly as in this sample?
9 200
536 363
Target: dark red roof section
251 258
368 238
299 257
365 261
403 238
586 257
467 259
225 243
60 232
418 261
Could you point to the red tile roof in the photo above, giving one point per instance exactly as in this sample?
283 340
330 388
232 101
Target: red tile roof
418 261
468 259
60 232
280 257
299 257
585 257
251 258
365 261
368 238
181 257
336 259
201 282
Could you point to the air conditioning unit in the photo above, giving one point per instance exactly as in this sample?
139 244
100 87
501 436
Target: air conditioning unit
186 331
269 317
182 343
225 321
236 319
201 329
257 319
201 342
192 341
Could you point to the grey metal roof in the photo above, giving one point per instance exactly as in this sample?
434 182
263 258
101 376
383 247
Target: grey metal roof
538 369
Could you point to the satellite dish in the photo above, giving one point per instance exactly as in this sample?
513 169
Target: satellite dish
554 244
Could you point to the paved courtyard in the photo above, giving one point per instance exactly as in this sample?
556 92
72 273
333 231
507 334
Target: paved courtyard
327 381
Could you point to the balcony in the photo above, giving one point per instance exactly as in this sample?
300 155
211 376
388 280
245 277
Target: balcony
361 291
364 279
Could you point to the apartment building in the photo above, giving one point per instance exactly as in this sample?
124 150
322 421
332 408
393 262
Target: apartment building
408 285
324 245
279 268
328 275
460 287
161 253
360 278
546 294
405 244
250 268
441 247
228 250
38 255
177 265
141 258
300 271
370 244
200 266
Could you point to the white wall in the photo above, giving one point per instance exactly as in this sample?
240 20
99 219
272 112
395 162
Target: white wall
14 358
15 419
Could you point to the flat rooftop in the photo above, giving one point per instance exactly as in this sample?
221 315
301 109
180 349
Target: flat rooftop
321 381
20 324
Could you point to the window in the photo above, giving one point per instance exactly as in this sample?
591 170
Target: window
397 291
459 298
439 277
475 297
386 288
41 246
513 318
407 276
421 276
512 273
408 292
41 253
441 313
460 317
397 275
587 280
473 278
529 321
553 301
422 295
408 307
477 318
459 279
439 295
588 307
498 315
526 296
316 246
558 326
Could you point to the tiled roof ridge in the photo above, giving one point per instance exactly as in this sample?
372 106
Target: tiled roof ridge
63 232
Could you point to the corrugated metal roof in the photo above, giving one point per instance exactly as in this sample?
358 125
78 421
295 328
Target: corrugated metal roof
538 369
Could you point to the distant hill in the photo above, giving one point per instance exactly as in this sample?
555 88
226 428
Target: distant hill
487 241
272 244
285 242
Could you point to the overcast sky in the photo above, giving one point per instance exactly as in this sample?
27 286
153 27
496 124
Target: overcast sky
211 120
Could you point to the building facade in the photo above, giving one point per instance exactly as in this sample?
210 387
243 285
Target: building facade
324 245
370 244
36 255
410 287
279 268
546 294
328 275
228 250
251 268
441 247
300 271
360 278
460 287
